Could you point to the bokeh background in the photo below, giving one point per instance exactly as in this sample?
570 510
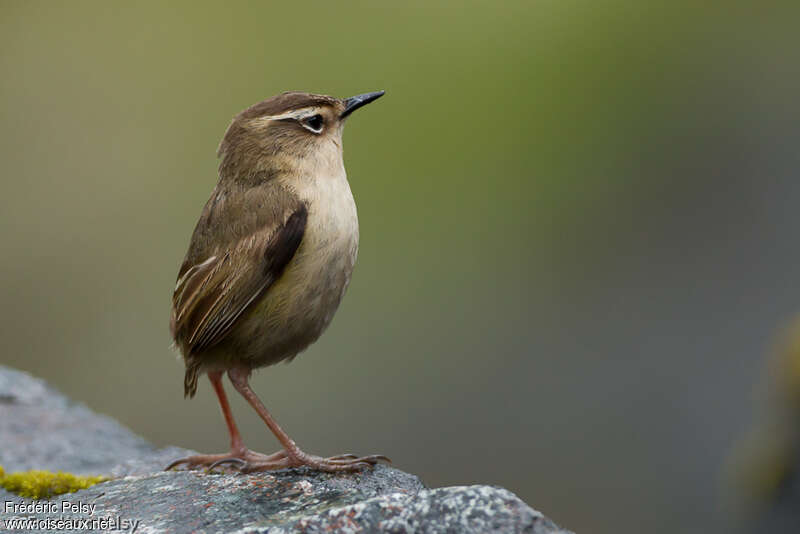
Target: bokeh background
578 231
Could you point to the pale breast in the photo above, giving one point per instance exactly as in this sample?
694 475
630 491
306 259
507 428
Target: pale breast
301 304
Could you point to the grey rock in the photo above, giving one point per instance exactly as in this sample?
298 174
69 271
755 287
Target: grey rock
382 499
42 429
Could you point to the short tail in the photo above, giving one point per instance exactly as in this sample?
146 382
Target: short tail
190 379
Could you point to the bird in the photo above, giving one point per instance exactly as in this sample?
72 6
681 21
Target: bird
268 262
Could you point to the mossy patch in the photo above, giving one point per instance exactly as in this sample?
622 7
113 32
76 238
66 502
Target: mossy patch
45 484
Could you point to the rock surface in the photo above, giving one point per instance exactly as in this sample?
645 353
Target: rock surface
41 429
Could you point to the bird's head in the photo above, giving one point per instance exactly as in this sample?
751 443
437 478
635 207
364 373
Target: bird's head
286 129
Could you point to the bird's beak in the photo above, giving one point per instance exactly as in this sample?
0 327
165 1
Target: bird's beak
354 102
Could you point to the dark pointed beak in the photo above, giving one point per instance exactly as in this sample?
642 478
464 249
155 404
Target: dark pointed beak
354 102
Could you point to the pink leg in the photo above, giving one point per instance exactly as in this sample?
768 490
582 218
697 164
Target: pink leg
294 457
239 453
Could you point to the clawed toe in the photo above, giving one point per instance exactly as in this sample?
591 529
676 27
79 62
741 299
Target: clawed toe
335 464
176 463
347 459
346 456
200 460
251 462
241 464
342 462
239 460
266 466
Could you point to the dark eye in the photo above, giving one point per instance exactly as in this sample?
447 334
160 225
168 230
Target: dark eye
314 123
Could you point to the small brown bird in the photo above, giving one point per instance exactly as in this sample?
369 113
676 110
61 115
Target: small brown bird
269 260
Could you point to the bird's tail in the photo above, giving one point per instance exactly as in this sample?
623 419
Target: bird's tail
190 379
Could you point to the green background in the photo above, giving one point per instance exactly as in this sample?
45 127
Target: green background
577 230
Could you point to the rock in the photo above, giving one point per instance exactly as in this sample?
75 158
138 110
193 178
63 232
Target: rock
41 429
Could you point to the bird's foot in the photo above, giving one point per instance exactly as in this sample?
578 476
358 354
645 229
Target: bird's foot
334 464
237 459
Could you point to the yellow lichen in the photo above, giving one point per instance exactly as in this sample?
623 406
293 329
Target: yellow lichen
45 484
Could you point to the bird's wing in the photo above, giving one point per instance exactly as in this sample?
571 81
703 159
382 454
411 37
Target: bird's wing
211 295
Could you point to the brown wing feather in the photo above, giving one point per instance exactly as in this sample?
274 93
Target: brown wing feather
213 294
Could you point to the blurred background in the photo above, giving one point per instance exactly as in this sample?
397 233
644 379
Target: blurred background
578 233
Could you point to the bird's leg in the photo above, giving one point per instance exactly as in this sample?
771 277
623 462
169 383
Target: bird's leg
239 454
294 457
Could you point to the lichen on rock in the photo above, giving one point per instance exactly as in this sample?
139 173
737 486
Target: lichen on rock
37 484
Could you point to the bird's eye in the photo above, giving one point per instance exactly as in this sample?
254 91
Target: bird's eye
314 123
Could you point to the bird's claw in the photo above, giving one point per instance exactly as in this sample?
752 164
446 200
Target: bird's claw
334 464
242 465
251 462
176 463
242 459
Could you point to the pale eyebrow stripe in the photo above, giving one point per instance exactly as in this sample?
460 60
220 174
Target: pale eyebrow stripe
293 114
